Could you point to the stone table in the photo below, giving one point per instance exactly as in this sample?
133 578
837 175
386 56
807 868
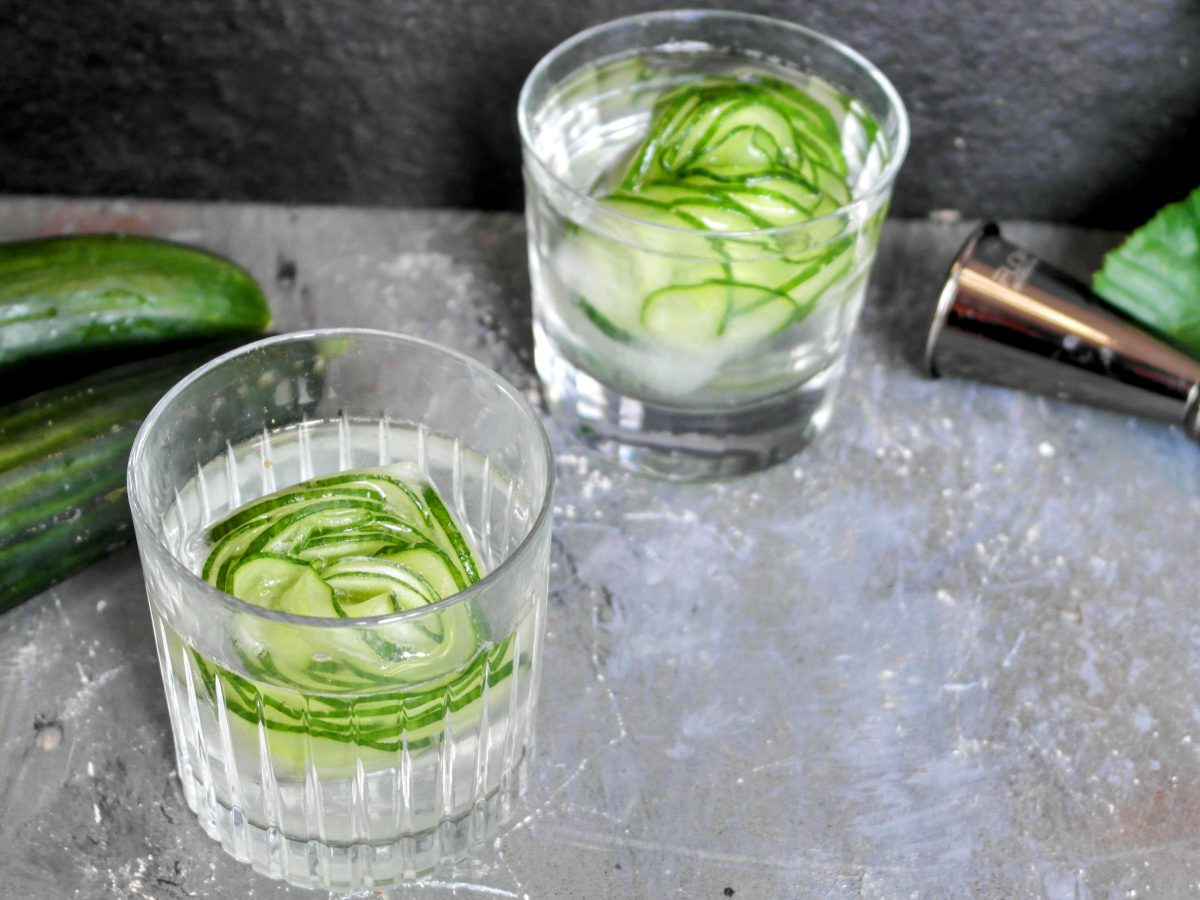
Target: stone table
951 650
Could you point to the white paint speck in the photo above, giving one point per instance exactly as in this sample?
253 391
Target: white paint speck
456 886
96 812
687 517
965 746
595 483
1012 653
84 697
101 605
955 687
1087 671
1046 450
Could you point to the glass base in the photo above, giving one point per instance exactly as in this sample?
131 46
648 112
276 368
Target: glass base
352 867
682 444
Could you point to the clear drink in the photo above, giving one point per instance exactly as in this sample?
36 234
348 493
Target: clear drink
704 198
368 744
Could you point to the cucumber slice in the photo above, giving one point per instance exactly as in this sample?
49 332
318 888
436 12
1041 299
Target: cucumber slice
357 578
340 523
452 540
602 323
812 280
743 152
402 500
231 548
283 584
353 590
432 564
757 313
267 507
615 280
689 316
325 548
696 316
719 214
703 128
281 536
770 198
339 734
318 519
646 209
365 543
377 604
749 155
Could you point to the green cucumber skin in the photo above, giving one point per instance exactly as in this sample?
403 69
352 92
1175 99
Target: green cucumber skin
63 455
385 722
731 159
90 293
370 689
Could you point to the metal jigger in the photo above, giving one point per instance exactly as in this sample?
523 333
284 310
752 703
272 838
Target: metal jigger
1006 317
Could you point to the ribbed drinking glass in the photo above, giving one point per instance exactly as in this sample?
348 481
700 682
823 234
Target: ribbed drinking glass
350 782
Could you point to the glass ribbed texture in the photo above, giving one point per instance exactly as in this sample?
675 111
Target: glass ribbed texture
345 789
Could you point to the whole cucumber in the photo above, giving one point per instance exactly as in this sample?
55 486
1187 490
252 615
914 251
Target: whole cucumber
99 292
63 454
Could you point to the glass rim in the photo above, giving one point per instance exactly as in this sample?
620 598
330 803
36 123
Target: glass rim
882 182
143 519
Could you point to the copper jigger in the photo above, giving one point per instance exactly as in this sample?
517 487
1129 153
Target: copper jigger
1007 317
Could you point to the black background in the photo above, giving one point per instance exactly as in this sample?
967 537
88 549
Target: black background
1084 111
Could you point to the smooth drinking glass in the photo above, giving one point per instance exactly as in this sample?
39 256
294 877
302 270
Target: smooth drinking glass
657 403
374 784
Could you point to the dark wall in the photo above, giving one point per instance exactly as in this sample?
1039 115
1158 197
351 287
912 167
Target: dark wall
1074 110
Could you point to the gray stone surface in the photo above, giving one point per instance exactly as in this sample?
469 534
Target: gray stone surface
948 651
1075 110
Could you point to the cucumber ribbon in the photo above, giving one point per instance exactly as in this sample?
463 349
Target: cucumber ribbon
357 544
741 157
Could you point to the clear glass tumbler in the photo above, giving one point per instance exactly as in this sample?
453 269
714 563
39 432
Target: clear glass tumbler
700 334
371 781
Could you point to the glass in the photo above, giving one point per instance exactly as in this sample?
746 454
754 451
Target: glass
370 781
635 348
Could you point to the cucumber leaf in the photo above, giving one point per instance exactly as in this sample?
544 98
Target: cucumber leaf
1155 275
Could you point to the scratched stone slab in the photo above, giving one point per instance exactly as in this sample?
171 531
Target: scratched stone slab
951 650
